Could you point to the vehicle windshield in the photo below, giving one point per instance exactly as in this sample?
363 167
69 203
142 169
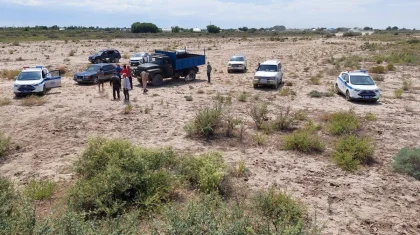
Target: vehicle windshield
93 68
235 58
157 60
361 80
138 55
99 53
28 76
268 68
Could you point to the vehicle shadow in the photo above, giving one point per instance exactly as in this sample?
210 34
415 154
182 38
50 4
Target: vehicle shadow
269 88
171 83
362 102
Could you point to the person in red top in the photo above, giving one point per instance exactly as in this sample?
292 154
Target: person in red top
125 70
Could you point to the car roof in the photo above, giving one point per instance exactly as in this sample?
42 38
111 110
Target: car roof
270 62
238 56
101 64
32 70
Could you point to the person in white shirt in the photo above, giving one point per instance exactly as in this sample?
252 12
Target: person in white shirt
126 87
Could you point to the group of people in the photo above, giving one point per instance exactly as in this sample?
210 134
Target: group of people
122 78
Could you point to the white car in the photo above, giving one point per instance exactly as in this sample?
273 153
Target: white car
357 85
140 58
36 79
237 63
269 73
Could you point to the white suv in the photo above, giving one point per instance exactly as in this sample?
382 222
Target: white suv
269 73
237 63
357 85
36 79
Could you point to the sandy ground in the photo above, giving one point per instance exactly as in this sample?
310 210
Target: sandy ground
374 200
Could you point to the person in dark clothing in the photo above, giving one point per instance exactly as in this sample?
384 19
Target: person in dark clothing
118 69
115 82
101 79
209 68
130 77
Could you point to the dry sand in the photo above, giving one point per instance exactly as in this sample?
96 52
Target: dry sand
374 200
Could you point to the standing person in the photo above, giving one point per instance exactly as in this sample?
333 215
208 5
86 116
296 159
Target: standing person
118 70
101 79
144 79
116 85
209 68
130 77
125 70
126 87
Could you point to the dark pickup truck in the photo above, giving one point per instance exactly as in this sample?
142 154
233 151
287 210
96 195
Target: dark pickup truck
171 64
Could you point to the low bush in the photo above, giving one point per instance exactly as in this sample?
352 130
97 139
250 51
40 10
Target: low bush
243 97
259 139
315 80
284 119
377 69
351 151
17 216
407 85
188 98
206 172
407 161
258 113
127 109
379 78
9 74
390 67
370 117
398 93
343 122
304 140
286 92
319 94
4 144
206 122
40 190
72 52
5 101
62 69
115 175
230 123
32 100
352 34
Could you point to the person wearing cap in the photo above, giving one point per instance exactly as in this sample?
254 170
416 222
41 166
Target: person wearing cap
126 87
144 79
115 82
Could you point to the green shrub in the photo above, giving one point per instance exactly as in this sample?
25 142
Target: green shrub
315 80
115 175
243 97
206 121
305 141
343 122
370 117
259 113
40 190
286 92
9 74
379 78
319 94
377 69
284 119
391 67
259 139
398 93
280 211
4 144
407 161
17 216
352 34
230 123
407 84
205 172
127 109
188 98
351 151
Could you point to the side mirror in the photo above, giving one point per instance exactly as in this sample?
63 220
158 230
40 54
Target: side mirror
15 77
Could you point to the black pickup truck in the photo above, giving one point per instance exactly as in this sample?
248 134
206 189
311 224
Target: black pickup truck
170 64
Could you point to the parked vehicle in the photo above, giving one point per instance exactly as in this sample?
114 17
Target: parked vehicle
269 73
237 63
105 56
171 64
357 85
36 79
140 58
90 75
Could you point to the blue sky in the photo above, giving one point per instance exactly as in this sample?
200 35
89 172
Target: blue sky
224 13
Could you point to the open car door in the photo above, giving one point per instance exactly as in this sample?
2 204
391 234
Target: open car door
53 79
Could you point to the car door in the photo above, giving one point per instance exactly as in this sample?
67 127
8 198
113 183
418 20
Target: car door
168 70
345 77
53 79
108 71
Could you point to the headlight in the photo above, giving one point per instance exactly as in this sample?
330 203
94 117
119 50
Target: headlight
16 85
34 85
377 91
356 90
229 64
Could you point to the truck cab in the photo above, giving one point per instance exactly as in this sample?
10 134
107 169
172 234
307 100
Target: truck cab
170 64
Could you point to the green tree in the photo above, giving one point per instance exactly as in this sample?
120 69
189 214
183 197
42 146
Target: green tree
138 27
244 29
395 28
175 29
213 29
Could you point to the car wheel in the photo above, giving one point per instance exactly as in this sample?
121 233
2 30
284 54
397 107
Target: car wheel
255 86
95 80
276 86
116 60
44 91
245 69
97 61
229 71
348 96
337 91
191 75
157 80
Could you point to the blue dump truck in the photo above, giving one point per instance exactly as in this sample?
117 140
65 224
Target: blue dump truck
171 64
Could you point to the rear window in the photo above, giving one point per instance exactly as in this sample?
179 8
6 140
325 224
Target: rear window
237 59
